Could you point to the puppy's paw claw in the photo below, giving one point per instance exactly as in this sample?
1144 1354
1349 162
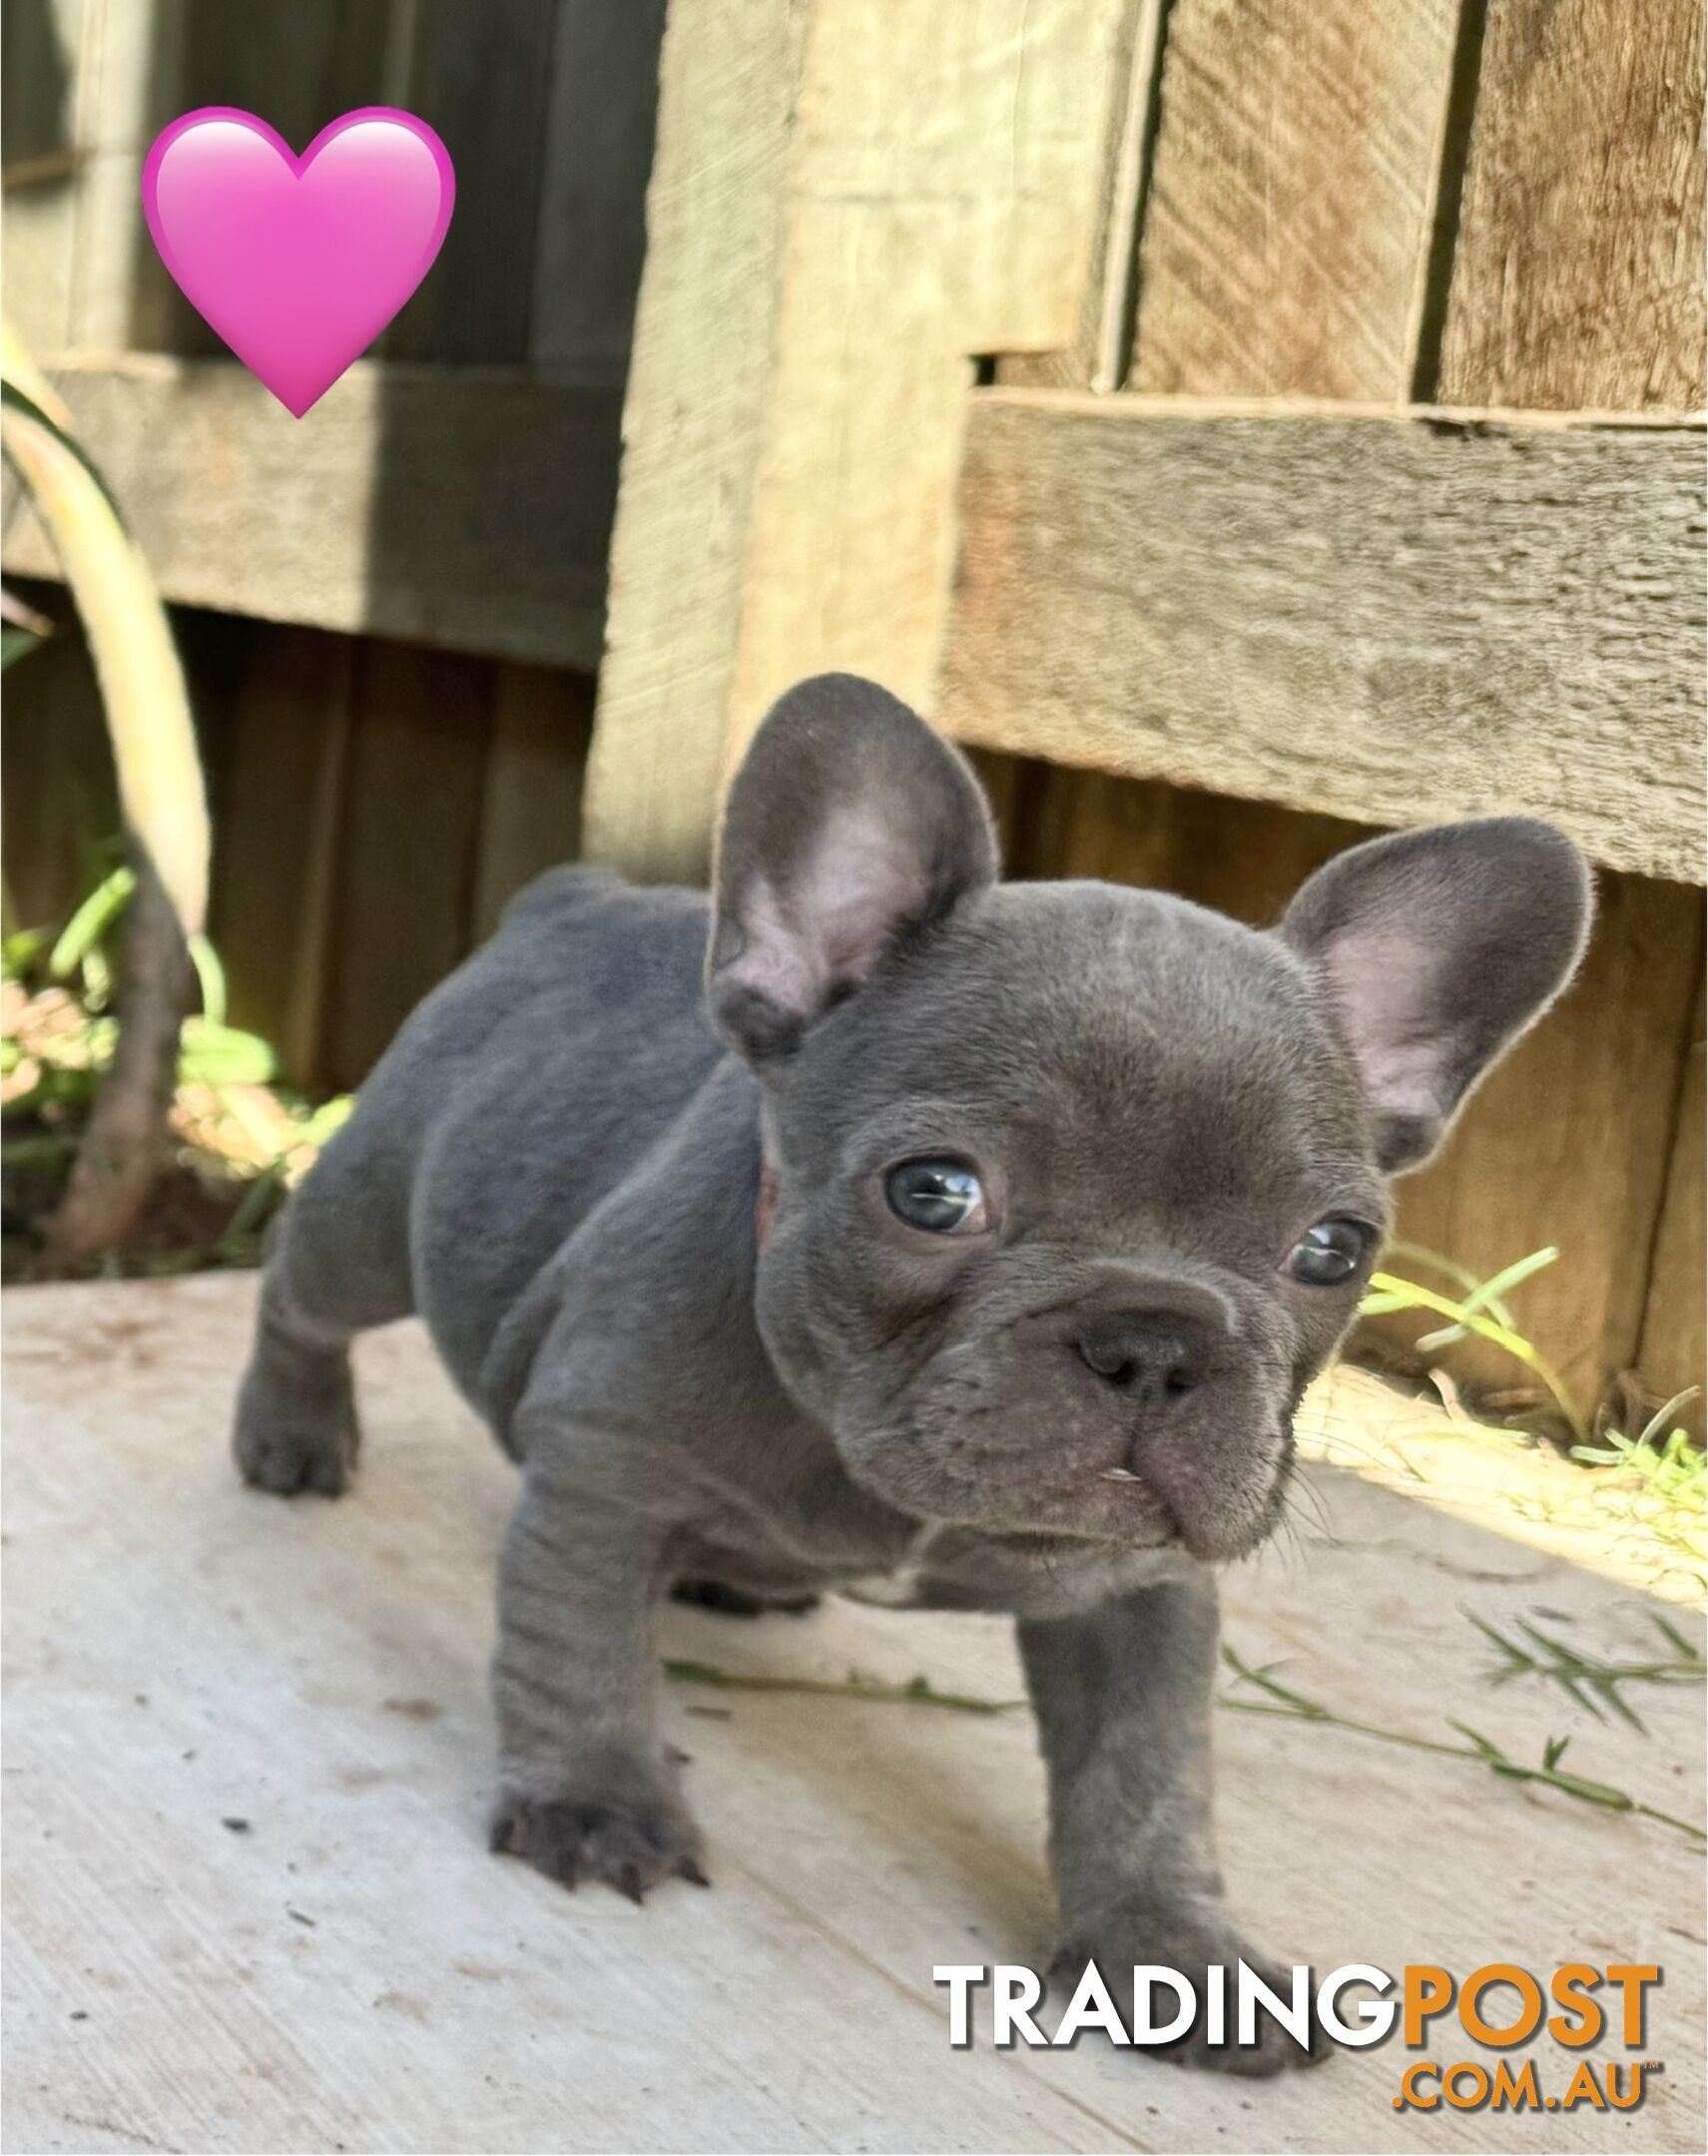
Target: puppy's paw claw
630 1847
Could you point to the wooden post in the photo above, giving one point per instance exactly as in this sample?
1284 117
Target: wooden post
1292 192
1672 1355
699 385
849 200
1578 279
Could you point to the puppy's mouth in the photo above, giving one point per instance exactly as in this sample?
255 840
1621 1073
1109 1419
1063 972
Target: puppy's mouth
1010 1450
1124 1507
1215 1521
1097 1508
1133 1491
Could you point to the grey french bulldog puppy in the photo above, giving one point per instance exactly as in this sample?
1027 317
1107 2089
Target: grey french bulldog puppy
879 1220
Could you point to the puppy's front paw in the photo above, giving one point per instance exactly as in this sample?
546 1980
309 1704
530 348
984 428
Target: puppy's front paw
290 1439
1192 1942
630 1842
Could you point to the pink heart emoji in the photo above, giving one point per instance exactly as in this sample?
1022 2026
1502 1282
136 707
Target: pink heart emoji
298 262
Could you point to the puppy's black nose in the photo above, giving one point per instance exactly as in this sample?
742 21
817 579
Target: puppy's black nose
1156 1356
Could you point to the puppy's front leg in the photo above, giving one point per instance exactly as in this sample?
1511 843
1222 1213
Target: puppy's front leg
1124 1700
587 1788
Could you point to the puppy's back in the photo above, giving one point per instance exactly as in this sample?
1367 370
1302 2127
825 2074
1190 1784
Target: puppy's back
512 1099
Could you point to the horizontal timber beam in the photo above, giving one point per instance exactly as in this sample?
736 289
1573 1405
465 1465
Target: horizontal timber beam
464 507
1387 616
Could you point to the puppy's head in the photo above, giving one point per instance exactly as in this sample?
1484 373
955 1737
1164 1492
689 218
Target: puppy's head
1077 1186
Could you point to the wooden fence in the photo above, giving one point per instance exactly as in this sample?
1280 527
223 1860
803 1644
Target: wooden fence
1093 364
1244 421
391 616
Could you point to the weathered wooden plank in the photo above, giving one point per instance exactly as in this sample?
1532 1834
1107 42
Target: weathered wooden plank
56 775
693 418
112 113
1378 618
1096 354
38 71
41 86
461 507
1673 1354
410 836
530 810
947 183
297 66
592 236
1288 220
1577 278
1568 1144
481 76
849 200
1243 858
112 131
278 816
1012 786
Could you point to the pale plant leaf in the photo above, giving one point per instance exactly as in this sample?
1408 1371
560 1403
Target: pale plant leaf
130 639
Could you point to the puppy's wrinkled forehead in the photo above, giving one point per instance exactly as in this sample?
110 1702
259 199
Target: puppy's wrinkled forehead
858 927
1123 1033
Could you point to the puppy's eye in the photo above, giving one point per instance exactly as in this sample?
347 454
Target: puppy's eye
1331 1251
944 1197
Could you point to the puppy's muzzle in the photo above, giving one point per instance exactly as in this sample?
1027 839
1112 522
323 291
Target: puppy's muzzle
1156 1341
1167 1356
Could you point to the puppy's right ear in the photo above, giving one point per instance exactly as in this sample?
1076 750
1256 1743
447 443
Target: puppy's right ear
851 828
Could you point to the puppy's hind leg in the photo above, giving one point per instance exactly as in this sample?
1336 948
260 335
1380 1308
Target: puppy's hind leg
296 1426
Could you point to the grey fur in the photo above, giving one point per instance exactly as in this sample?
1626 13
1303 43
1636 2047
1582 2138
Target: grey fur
1073 1415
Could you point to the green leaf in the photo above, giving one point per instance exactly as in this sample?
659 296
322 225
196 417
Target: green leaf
1380 1301
1662 1417
91 922
220 1055
1688 1651
1597 1793
1486 1296
1515 1345
97 980
16 644
209 976
328 1120
40 1149
20 950
21 629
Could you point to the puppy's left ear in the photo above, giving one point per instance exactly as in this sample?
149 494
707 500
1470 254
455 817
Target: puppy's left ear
851 828
1437 948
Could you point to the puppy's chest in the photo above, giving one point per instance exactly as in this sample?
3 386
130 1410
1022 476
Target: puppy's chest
806 1527
903 1585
